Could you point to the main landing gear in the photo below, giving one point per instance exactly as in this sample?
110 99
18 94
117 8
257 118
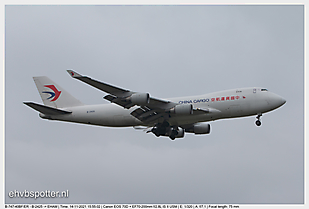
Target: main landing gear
165 129
258 122
173 134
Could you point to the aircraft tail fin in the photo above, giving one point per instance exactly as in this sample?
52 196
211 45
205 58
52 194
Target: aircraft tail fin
54 95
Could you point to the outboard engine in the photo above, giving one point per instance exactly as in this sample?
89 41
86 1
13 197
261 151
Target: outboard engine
199 128
139 98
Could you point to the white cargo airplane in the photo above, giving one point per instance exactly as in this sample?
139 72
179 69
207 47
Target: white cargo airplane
163 117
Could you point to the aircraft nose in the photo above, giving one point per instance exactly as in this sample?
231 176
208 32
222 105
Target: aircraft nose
277 100
283 101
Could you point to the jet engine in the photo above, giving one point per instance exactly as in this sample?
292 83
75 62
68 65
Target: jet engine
199 128
185 109
181 133
139 98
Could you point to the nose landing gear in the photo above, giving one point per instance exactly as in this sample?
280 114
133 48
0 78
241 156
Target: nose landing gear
258 122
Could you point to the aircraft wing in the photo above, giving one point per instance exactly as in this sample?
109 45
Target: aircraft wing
123 98
150 109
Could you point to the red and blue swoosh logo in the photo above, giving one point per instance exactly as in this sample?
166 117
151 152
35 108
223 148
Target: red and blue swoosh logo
54 94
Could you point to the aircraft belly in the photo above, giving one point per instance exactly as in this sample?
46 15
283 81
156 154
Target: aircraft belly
123 121
182 120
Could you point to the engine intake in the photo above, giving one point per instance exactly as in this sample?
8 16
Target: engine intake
185 109
139 98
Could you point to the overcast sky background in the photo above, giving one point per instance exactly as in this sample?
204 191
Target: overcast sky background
168 51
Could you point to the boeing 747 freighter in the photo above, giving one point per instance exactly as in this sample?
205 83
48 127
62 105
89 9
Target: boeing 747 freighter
162 117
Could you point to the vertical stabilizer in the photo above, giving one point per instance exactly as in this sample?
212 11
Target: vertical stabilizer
54 95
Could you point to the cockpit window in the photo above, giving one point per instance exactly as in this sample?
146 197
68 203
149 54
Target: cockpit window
264 90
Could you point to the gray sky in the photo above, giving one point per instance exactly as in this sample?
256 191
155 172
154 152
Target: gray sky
168 51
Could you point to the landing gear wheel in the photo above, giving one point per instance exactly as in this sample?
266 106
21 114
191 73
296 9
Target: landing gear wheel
173 134
258 123
155 132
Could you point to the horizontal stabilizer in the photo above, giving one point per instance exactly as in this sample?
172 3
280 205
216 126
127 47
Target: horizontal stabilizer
45 109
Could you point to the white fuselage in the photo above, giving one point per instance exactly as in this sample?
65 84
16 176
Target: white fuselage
226 104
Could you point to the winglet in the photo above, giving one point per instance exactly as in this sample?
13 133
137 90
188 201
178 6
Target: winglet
74 74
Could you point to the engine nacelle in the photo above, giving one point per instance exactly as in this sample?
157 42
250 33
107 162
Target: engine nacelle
185 109
140 98
199 128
